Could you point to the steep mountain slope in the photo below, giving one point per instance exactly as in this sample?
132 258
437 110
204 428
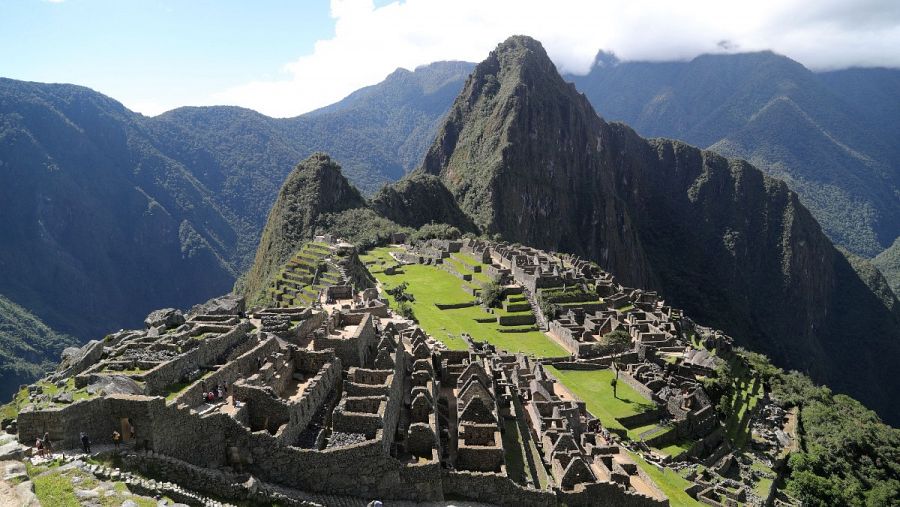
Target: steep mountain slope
99 226
378 133
822 133
525 156
27 347
110 214
888 262
316 187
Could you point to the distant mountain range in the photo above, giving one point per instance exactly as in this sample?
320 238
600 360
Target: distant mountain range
110 214
831 136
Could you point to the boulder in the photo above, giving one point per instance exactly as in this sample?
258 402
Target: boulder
25 492
167 317
230 304
115 384
64 397
76 360
11 451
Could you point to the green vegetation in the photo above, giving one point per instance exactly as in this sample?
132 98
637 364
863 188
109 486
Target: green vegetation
595 388
315 188
514 451
848 456
738 389
376 259
618 339
11 410
491 294
361 226
28 348
431 285
55 486
668 480
888 262
436 231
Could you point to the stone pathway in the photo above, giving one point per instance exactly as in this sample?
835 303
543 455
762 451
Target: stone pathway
135 483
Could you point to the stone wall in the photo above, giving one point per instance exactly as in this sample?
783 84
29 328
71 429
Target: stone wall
98 417
209 352
636 385
493 488
239 368
607 493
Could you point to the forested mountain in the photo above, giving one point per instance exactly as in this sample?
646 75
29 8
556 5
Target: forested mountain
109 214
525 156
888 262
831 136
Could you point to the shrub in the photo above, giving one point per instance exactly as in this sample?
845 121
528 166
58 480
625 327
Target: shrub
405 309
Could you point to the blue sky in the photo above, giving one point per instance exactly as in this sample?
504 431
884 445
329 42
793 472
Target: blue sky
287 57
136 49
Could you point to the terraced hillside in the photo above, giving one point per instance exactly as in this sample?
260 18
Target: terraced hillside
304 275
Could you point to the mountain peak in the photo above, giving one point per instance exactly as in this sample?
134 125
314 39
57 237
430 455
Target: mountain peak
314 188
517 56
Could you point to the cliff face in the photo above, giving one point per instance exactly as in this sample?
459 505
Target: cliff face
526 156
516 150
314 188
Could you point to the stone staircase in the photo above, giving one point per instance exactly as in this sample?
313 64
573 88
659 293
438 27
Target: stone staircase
541 321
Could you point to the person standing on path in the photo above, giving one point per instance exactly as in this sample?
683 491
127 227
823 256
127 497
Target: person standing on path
85 443
47 446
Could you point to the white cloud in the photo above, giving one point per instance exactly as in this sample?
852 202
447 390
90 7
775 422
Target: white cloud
370 43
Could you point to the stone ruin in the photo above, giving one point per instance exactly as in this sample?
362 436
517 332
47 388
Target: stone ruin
351 399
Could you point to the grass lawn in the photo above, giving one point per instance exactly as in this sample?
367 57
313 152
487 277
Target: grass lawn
430 285
677 448
377 257
668 481
466 262
593 387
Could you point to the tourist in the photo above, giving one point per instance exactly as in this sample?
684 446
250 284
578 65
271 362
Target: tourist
117 437
85 443
40 447
48 447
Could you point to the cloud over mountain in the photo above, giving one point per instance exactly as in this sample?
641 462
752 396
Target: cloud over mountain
369 42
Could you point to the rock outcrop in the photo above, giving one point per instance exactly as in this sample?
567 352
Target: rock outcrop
420 199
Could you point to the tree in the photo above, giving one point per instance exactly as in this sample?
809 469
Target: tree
491 293
400 294
435 231
618 340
